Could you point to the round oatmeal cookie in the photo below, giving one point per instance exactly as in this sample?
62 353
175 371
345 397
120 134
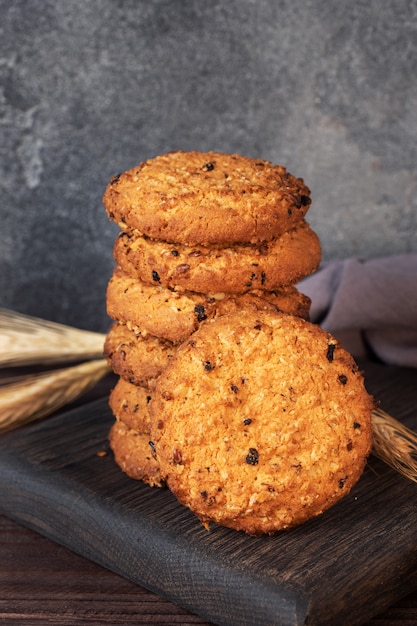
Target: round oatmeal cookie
210 269
261 421
136 358
130 404
174 316
134 455
207 197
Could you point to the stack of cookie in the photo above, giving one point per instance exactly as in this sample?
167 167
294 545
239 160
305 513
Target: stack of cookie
202 235
254 417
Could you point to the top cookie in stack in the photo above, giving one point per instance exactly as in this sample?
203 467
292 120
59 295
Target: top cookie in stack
202 235
207 198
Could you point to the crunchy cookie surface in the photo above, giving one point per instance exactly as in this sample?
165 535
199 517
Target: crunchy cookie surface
261 421
213 269
136 358
174 316
197 197
133 454
130 405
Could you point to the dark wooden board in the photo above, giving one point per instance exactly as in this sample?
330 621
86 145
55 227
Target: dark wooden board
341 568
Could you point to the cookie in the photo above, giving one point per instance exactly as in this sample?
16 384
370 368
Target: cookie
205 198
136 358
173 316
212 269
130 404
133 454
260 422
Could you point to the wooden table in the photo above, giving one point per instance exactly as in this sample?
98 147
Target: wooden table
42 582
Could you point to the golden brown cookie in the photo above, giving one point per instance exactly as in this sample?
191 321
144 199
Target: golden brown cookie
197 197
133 454
173 316
212 269
261 421
136 358
130 404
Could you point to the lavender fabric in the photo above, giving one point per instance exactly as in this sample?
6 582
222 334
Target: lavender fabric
370 306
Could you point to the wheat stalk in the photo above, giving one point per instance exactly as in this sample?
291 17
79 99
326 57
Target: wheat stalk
26 340
394 443
25 399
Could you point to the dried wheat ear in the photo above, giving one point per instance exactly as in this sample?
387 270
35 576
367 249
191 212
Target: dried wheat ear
29 341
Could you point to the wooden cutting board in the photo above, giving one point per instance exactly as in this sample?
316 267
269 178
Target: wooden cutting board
341 568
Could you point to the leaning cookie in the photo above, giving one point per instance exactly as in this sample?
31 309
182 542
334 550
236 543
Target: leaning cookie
207 197
136 358
261 421
130 404
133 454
212 269
174 316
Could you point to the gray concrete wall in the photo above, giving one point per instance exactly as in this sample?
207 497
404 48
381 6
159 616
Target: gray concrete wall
92 87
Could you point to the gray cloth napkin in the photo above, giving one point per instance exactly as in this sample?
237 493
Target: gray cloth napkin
369 306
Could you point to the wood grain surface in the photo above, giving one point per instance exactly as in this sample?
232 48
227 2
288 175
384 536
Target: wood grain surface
345 567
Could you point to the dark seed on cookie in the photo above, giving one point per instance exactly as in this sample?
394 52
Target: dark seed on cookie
305 200
342 482
208 366
175 253
234 388
263 278
208 167
200 312
343 379
203 494
247 421
356 425
330 351
155 276
253 457
152 447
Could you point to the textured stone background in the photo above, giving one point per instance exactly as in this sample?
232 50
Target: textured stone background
92 87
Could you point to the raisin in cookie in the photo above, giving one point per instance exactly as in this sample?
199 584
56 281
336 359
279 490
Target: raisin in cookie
207 197
261 421
211 269
174 316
